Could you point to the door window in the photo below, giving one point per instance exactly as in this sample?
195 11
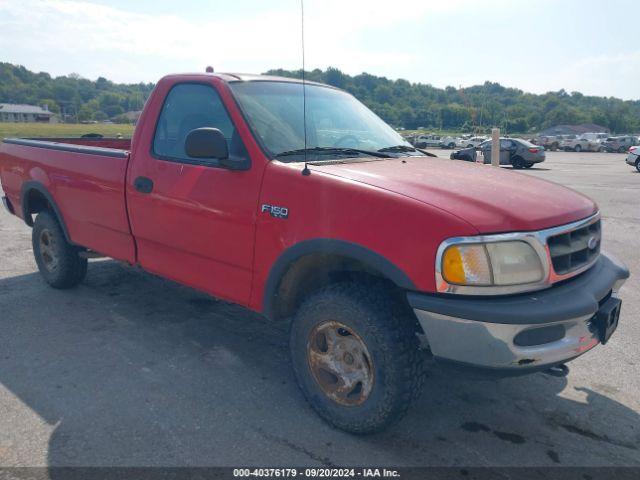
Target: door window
189 106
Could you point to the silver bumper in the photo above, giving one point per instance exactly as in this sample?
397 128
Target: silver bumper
525 331
491 345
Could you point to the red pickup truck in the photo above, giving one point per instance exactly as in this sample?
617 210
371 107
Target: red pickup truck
373 251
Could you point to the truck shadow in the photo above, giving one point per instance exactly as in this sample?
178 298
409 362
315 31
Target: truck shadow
132 370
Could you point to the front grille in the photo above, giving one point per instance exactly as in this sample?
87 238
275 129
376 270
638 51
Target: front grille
574 249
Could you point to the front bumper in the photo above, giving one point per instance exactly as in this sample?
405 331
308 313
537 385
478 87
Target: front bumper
520 332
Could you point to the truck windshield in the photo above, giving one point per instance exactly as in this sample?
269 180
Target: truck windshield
334 119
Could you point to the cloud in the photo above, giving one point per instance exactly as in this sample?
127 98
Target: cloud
94 39
602 75
433 41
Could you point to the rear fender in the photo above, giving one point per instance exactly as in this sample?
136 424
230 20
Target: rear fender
27 189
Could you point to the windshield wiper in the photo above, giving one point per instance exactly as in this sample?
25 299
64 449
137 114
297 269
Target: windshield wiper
406 148
333 150
398 148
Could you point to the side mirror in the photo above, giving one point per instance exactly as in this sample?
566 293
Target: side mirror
206 142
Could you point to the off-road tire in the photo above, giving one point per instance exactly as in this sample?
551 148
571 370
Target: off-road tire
70 267
388 329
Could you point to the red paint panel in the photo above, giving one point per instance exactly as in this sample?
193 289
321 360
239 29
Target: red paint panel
88 190
401 229
198 225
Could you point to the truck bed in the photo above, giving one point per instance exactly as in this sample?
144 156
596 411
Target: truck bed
85 176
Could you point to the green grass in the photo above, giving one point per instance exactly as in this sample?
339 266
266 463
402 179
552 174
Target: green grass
63 129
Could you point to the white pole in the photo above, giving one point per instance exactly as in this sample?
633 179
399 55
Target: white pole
495 147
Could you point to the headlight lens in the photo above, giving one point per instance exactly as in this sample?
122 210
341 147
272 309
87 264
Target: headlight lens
513 263
485 264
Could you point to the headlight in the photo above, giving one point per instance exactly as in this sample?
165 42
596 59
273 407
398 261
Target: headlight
495 263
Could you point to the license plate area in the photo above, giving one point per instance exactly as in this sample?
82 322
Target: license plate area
606 319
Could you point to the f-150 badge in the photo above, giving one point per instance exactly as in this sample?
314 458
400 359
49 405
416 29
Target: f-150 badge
275 211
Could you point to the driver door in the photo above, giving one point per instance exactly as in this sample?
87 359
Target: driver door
192 219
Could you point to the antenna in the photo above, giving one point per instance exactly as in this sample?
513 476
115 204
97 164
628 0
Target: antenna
306 170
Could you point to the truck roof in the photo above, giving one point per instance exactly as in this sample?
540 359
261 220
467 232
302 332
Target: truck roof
247 77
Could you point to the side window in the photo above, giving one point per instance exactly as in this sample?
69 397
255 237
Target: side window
189 106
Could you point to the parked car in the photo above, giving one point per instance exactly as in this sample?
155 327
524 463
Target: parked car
357 242
426 141
549 142
516 152
581 144
448 142
595 136
633 158
619 144
467 154
471 142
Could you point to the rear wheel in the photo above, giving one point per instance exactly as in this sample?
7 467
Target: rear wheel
622 150
356 356
58 261
518 163
577 148
528 165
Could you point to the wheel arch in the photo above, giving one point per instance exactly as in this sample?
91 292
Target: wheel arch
35 198
311 264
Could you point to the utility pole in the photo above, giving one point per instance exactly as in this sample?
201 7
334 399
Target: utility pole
495 147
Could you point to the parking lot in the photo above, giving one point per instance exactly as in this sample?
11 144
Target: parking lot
129 369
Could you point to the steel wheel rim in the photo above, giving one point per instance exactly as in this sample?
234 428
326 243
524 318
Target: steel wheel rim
47 244
340 363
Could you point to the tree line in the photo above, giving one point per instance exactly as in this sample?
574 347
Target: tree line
74 98
398 102
477 108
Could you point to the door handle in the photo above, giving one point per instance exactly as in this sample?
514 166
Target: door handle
143 184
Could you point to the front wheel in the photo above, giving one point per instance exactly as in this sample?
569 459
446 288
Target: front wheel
638 165
577 148
356 356
622 150
58 261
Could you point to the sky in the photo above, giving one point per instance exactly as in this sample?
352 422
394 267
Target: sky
589 46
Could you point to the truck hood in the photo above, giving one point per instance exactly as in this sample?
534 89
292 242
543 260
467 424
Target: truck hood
493 200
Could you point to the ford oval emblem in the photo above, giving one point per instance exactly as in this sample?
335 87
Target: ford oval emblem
592 243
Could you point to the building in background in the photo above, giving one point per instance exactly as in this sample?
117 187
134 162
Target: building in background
10 112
